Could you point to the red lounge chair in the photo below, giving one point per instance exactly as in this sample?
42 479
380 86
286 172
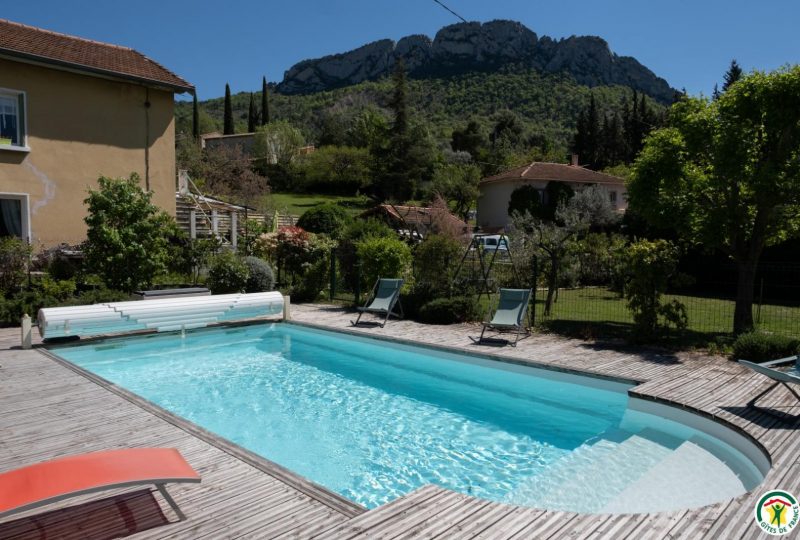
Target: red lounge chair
51 481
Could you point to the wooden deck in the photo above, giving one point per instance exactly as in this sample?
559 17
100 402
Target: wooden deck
49 409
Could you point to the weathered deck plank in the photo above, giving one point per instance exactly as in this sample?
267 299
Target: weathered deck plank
48 409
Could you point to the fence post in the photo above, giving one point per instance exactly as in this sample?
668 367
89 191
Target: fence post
760 301
534 287
357 287
333 274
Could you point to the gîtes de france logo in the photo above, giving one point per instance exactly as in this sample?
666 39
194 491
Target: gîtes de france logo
777 512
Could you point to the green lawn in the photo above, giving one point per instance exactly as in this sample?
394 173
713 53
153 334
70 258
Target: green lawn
297 203
582 309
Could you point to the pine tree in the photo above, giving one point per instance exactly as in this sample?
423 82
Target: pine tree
252 115
264 102
733 74
228 114
399 101
395 180
195 118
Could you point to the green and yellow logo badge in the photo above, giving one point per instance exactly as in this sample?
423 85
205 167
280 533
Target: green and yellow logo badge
777 512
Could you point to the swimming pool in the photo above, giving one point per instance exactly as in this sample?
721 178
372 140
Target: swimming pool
373 421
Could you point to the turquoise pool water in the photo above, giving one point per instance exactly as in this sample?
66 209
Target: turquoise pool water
373 421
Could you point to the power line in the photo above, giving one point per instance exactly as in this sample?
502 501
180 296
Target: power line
450 10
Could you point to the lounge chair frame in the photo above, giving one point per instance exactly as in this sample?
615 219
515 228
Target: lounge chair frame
518 328
779 378
395 301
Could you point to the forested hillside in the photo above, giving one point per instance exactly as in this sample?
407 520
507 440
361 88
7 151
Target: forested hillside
546 106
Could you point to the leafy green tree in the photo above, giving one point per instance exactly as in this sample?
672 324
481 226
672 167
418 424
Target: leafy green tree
277 143
228 173
127 234
458 185
525 199
651 268
334 169
557 194
368 129
227 118
726 174
264 102
555 239
252 115
469 139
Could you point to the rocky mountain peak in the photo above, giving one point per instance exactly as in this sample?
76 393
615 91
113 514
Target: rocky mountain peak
475 46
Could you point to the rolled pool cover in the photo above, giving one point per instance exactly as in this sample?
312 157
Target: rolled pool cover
162 315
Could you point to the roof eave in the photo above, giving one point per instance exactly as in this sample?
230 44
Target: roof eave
34 59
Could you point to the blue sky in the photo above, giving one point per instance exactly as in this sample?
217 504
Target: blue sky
689 43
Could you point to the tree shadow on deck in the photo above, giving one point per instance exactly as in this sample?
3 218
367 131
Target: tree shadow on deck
113 517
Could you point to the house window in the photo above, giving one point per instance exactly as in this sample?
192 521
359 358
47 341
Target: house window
14 216
12 119
612 196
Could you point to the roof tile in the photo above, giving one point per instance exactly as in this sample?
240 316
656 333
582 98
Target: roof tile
554 171
52 47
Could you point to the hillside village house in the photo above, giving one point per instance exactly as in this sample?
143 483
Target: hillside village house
71 110
495 191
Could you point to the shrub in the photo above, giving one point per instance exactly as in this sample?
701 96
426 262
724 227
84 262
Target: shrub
434 260
62 267
44 293
384 257
449 310
354 233
313 281
330 219
127 234
260 277
652 266
98 295
228 274
761 347
14 256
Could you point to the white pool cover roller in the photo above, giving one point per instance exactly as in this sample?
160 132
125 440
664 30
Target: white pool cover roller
162 315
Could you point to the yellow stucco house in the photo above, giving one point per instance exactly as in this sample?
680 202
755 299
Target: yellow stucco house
71 110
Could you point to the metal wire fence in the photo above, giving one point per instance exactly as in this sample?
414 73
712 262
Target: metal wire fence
601 310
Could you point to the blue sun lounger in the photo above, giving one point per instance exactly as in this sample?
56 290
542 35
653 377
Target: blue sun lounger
510 314
385 296
785 378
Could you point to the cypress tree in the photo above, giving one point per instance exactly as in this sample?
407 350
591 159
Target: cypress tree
264 102
252 115
228 114
593 144
195 118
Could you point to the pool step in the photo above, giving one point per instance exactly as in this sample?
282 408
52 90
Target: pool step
593 474
689 477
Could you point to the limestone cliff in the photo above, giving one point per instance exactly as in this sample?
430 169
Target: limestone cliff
476 47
